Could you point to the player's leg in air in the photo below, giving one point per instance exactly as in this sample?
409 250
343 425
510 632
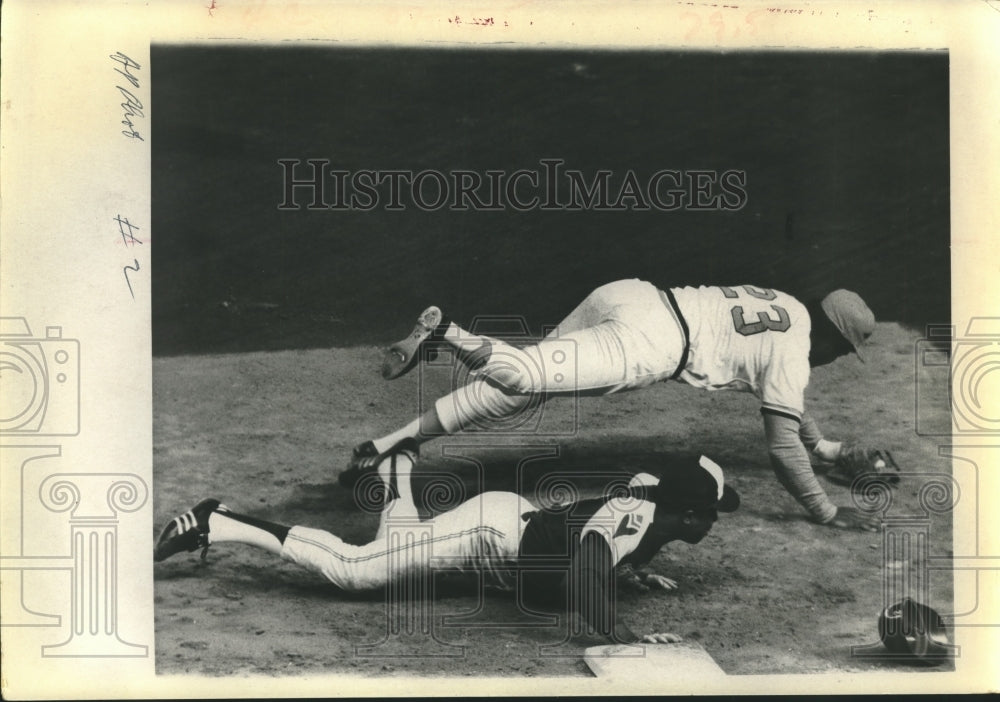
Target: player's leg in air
624 335
403 546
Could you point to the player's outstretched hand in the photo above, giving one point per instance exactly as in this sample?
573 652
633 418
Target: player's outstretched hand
850 518
661 638
855 461
644 582
658 582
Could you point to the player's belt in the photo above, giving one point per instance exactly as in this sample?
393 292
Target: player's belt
671 302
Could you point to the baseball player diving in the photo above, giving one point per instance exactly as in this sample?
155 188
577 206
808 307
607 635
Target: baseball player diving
630 334
567 554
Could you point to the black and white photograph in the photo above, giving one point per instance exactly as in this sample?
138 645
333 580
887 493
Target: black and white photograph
513 366
495 285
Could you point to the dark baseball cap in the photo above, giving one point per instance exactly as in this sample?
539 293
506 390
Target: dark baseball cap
696 483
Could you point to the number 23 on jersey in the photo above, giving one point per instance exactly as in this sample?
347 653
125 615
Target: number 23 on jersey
756 321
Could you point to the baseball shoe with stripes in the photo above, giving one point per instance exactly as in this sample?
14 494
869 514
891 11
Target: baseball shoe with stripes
402 356
188 532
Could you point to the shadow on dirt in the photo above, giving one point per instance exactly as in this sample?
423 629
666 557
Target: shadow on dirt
448 475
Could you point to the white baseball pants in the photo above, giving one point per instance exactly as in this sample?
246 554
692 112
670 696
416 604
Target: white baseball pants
623 336
480 535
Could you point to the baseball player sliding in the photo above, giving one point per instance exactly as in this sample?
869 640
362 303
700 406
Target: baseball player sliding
573 549
629 334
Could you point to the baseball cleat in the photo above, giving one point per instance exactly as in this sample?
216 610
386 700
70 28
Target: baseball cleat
402 356
365 458
188 532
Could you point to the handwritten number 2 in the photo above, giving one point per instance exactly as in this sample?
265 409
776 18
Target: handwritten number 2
125 270
764 321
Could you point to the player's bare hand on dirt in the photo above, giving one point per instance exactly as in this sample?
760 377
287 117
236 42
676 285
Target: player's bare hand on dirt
661 638
633 581
850 518
644 582
652 581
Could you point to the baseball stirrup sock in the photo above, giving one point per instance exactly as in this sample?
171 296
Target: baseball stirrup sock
230 526
402 470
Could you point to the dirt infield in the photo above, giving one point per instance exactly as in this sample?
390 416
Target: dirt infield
766 592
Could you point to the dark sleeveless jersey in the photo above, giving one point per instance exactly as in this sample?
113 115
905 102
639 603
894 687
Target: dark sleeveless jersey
568 555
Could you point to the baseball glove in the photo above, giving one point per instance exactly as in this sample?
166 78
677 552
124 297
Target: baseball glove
859 461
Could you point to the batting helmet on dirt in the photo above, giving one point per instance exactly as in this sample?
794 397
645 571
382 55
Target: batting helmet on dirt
914 632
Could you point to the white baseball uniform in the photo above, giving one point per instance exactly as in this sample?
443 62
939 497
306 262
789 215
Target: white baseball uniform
750 339
565 555
482 535
629 334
